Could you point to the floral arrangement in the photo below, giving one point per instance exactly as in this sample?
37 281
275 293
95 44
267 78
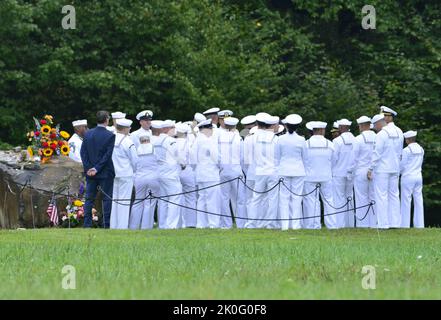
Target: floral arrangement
47 140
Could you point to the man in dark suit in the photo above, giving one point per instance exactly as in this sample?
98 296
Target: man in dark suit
96 154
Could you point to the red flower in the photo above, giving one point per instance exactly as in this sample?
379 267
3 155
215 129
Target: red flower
53 135
53 146
45 145
37 133
60 143
43 122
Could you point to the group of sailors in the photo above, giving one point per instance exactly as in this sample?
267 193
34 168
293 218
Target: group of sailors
205 173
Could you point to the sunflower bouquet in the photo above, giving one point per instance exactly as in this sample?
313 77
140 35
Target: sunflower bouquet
47 140
74 215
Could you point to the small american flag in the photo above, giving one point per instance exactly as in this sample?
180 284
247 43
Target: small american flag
52 211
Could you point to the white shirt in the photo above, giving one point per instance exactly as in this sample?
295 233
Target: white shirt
264 153
290 150
343 156
230 152
124 156
363 149
75 143
249 165
147 164
135 135
387 151
166 151
204 157
318 159
412 160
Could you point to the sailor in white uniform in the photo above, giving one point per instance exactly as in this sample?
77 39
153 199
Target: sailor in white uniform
145 121
115 116
169 170
249 166
212 114
187 176
412 182
247 122
124 159
231 153
384 170
76 141
146 183
290 153
222 115
363 189
342 164
264 203
205 161
318 165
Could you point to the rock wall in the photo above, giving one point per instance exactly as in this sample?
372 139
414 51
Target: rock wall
25 207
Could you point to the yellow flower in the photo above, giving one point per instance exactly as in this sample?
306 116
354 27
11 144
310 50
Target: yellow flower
48 152
78 203
30 152
49 118
45 129
65 150
64 135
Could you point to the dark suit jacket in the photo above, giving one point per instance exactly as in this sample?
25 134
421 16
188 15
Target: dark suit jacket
96 152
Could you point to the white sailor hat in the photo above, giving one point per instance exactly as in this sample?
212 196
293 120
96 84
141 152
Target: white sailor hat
253 130
118 115
182 128
144 115
188 123
157 124
204 123
292 119
248 120
168 124
231 121
272 120
363 119
319 125
388 111
310 125
225 113
377 118
211 111
78 123
199 117
410 134
281 128
124 122
344 122
334 126
262 116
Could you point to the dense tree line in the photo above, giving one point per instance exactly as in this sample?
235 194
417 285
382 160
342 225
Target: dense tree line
179 57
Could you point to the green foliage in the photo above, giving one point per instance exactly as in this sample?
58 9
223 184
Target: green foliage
179 57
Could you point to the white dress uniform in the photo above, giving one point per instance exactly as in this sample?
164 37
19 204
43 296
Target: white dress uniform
136 134
385 165
188 182
231 152
412 185
264 205
75 143
342 164
318 165
169 213
290 151
146 181
205 162
249 167
363 188
124 159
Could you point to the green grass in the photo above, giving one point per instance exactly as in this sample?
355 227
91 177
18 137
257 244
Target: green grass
220 264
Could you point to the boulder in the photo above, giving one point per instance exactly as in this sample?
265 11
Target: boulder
25 207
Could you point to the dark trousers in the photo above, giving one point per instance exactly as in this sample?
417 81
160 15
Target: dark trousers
91 191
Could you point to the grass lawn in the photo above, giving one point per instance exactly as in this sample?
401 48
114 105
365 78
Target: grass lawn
220 264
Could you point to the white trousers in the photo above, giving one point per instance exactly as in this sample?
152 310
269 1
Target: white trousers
188 182
343 189
387 200
233 192
290 205
412 186
209 202
364 194
122 193
264 205
248 196
143 212
169 214
311 205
